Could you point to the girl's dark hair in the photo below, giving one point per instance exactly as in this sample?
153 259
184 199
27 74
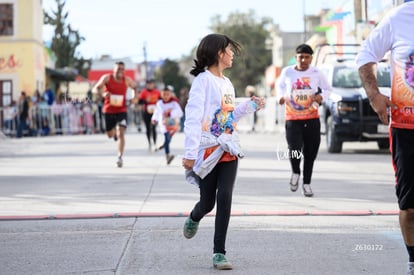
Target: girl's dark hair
208 49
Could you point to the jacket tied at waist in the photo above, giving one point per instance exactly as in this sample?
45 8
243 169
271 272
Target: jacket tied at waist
226 143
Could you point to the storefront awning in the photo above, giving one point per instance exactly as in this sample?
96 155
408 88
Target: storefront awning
62 74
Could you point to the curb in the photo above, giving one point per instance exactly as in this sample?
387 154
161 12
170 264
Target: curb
185 214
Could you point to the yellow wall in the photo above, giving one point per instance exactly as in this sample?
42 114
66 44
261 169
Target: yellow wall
29 20
22 55
24 64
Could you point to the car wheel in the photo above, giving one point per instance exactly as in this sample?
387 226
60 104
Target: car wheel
332 142
383 143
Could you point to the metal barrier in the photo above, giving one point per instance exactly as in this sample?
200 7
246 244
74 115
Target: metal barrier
57 119
87 118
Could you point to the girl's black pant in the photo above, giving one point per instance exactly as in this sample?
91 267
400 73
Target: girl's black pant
218 185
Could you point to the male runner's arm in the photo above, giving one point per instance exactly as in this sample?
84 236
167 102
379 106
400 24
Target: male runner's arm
378 101
98 88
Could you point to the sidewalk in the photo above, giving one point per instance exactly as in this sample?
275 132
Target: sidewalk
67 209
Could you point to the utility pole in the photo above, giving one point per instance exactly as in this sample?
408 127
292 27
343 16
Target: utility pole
304 21
360 11
362 25
144 49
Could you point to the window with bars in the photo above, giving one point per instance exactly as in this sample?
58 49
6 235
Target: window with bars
6 19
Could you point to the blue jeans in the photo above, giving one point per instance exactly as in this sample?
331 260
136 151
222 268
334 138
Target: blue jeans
167 140
21 126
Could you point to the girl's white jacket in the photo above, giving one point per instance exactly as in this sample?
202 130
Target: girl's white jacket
205 98
174 109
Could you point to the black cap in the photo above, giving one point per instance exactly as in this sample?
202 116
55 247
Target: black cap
304 48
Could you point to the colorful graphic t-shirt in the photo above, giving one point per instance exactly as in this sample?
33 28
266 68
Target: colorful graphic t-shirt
168 114
211 108
395 34
223 120
299 88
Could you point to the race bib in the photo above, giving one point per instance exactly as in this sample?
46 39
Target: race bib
116 100
227 98
301 99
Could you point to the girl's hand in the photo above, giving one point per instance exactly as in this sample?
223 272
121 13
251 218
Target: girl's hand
260 102
188 163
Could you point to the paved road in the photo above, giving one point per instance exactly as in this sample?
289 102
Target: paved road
66 209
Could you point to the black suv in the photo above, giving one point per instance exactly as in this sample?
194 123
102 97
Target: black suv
347 115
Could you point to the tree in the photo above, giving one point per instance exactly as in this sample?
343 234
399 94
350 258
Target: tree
170 74
66 40
249 68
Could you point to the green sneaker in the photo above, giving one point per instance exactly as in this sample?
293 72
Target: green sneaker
190 228
220 262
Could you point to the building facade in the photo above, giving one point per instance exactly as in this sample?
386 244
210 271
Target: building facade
22 53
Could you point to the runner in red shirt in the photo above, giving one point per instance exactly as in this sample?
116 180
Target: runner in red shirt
114 87
149 98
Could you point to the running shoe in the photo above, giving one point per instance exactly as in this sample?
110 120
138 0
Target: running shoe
220 262
294 182
190 228
170 158
119 162
307 190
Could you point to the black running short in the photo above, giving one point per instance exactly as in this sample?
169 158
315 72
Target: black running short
112 120
402 151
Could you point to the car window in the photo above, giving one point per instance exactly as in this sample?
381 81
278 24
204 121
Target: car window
346 77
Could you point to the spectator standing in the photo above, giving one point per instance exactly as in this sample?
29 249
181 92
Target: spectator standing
23 114
49 96
250 92
35 97
43 115
10 113
57 110
99 117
